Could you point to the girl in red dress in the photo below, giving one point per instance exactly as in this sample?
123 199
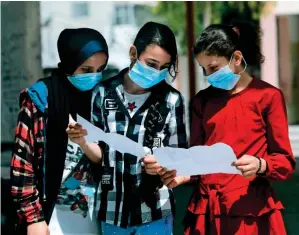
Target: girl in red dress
249 115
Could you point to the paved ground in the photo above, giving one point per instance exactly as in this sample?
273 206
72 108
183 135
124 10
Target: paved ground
287 191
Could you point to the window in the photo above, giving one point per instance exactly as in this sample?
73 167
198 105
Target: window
123 14
80 9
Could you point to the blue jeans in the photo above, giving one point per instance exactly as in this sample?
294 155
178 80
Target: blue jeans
163 226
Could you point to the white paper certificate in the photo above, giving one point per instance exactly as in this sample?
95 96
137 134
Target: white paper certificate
198 160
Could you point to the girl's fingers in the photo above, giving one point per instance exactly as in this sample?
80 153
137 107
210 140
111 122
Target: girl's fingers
152 166
75 125
172 184
162 171
152 172
72 125
73 131
149 159
246 168
76 135
167 181
169 174
75 139
84 132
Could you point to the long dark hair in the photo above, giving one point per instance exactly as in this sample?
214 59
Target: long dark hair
153 33
223 40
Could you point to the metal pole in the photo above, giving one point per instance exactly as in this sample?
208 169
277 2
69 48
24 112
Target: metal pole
190 43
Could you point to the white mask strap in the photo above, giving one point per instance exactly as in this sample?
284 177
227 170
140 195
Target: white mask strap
242 59
245 65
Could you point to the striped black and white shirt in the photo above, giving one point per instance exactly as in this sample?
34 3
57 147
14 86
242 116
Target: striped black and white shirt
122 204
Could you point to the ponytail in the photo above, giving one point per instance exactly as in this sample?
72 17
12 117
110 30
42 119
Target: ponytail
249 42
224 40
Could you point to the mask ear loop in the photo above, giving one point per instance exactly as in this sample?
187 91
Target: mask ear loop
245 65
242 59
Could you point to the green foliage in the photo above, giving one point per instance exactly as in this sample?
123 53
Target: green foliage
173 14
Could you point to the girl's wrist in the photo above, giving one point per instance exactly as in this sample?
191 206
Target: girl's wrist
262 166
187 179
83 144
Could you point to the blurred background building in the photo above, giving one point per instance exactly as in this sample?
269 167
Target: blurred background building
29 33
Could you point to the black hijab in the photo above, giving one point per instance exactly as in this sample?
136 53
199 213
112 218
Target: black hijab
74 47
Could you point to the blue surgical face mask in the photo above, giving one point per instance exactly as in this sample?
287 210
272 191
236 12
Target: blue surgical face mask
85 81
225 78
145 76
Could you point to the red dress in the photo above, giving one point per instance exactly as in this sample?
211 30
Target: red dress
252 122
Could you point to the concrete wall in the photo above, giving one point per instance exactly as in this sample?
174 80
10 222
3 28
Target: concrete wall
20 58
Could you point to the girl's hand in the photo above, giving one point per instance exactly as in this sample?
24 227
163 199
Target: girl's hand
40 228
76 133
249 165
151 165
170 179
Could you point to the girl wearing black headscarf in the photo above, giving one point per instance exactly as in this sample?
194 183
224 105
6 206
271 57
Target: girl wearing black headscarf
42 156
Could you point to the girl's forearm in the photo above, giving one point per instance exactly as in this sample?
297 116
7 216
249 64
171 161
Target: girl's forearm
92 151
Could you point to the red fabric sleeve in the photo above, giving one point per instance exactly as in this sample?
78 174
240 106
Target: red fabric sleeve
280 159
23 186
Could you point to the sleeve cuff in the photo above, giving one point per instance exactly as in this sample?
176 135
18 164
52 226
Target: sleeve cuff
41 219
194 179
269 168
30 211
102 145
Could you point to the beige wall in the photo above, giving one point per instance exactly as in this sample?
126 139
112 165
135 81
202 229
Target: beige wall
280 45
284 57
269 69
